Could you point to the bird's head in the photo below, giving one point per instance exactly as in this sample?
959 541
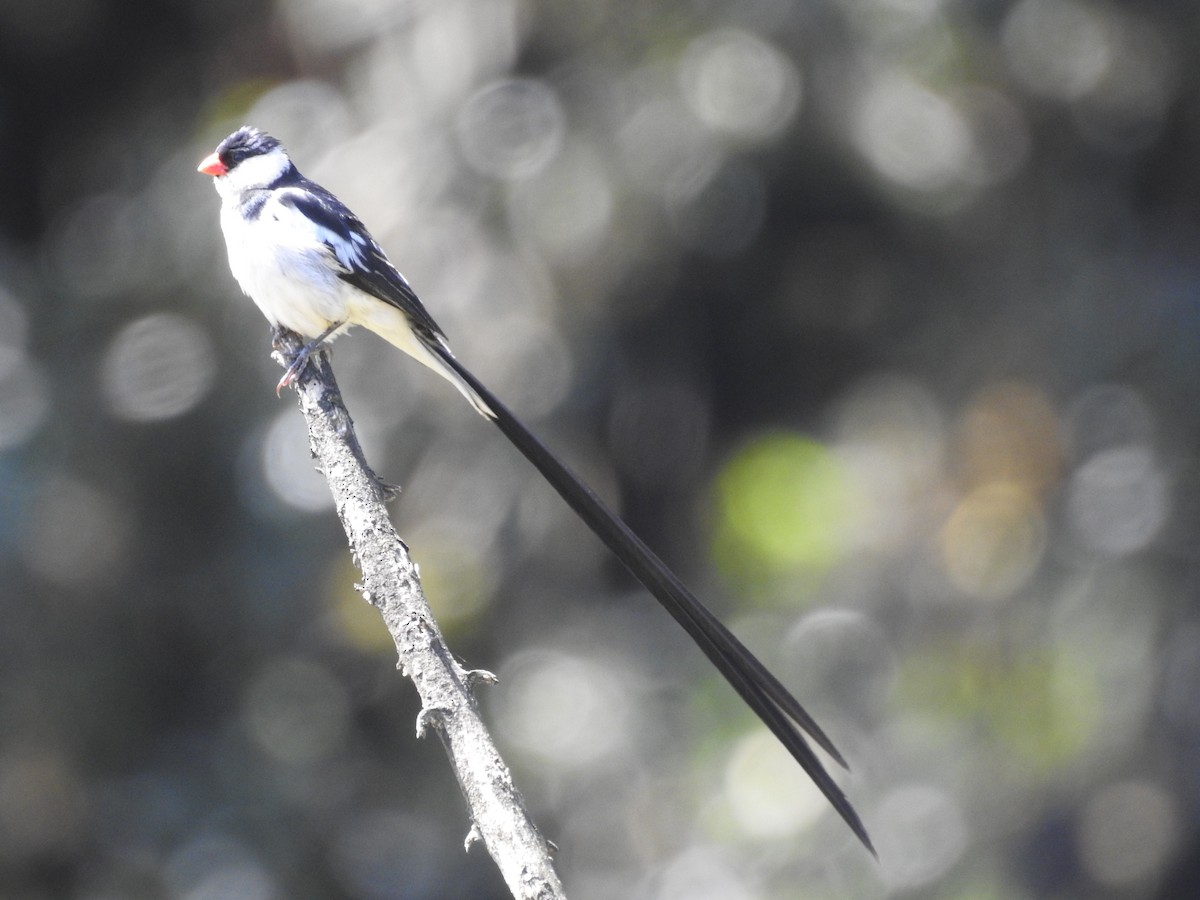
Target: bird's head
245 160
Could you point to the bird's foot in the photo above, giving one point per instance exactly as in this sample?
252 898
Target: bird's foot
292 374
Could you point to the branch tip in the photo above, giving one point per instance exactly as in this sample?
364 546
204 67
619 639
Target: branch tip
480 676
474 836
430 715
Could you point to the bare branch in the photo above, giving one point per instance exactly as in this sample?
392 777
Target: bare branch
391 584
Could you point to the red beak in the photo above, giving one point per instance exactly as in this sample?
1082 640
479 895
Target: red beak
211 165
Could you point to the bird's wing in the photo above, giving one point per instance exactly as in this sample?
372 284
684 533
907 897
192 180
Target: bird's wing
360 260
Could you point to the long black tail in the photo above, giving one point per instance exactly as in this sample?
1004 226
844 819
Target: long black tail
761 690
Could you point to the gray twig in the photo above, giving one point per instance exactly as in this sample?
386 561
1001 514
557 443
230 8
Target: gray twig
391 583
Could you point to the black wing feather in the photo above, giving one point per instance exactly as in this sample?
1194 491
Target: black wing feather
762 691
375 275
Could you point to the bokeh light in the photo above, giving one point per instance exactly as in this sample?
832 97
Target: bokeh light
993 540
330 26
77 534
665 150
94 248
1127 109
511 129
24 401
891 438
913 136
157 367
567 211
1118 500
700 873
766 793
926 834
566 712
458 578
287 466
1011 433
1128 830
215 865
737 83
43 802
1059 48
784 502
295 711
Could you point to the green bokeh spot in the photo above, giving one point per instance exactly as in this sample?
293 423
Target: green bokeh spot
1040 705
783 504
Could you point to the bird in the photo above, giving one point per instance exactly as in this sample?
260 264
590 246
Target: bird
311 267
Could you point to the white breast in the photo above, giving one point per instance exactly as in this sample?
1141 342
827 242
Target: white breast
283 266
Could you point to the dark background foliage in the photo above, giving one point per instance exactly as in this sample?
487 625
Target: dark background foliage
878 319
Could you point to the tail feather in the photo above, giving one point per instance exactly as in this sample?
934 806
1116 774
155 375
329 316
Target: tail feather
761 690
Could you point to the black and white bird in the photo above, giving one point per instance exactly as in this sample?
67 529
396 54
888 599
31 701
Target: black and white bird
312 267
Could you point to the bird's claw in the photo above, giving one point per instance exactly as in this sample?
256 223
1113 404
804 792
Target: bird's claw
292 373
300 360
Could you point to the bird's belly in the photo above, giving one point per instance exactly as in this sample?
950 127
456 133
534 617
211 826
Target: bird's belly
290 288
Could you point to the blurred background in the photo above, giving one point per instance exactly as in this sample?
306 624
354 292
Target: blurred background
877 318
